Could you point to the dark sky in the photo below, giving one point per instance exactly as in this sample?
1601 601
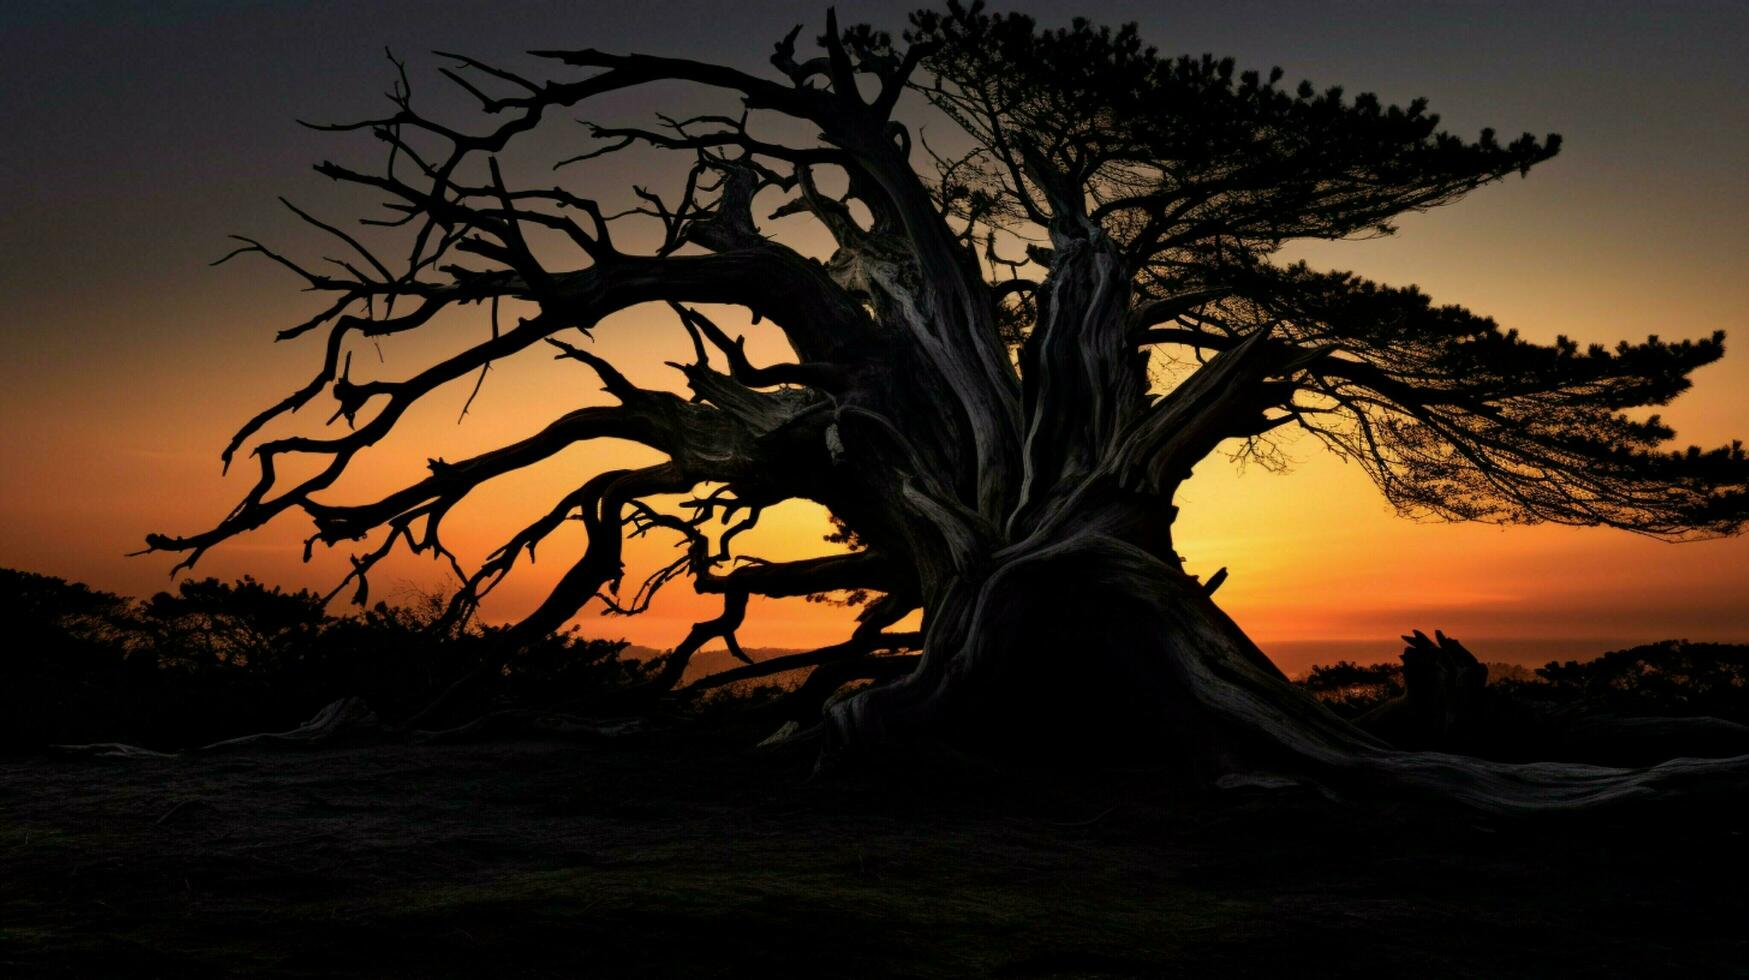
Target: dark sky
135 136
130 128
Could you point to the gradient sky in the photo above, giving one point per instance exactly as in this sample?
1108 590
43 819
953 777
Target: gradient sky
138 135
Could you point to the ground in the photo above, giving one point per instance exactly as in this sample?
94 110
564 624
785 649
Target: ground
692 855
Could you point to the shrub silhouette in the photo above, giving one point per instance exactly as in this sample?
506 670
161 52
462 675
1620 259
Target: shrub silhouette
1352 688
214 659
1673 678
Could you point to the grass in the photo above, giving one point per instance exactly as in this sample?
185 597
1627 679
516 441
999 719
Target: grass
694 856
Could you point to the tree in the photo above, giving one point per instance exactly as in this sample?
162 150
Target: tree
971 390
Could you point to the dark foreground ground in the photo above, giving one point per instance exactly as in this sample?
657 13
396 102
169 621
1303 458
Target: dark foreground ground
697 857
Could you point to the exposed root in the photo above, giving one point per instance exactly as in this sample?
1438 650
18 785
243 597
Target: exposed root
519 722
346 718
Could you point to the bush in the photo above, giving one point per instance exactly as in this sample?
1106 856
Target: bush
214 660
1672 678
1350 688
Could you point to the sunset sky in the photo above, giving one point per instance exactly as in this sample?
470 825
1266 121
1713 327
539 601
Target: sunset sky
138 135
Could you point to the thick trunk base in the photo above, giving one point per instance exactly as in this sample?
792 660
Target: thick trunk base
1094 652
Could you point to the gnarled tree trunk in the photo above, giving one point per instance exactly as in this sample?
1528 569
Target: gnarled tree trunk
1092 651
1077 636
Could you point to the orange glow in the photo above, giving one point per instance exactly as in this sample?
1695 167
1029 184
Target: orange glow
137 363
1320 566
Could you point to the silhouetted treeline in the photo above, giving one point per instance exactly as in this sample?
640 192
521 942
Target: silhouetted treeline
214 660
1671 677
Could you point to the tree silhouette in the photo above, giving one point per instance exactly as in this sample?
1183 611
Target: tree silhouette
971 390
